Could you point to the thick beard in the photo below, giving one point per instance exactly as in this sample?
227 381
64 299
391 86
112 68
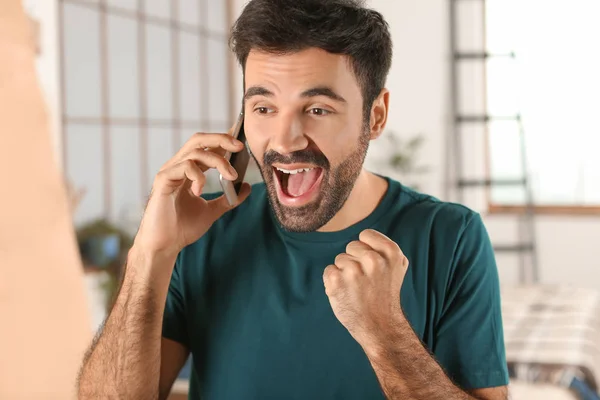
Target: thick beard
336 186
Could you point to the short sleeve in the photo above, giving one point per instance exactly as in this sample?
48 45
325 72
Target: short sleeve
174 318
469 338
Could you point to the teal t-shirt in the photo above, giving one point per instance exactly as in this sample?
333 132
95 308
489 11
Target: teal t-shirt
248 300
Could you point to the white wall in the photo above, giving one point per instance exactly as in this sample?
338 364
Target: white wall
419 84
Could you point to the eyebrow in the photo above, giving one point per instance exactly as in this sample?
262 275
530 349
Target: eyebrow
312 92
323 91
257 91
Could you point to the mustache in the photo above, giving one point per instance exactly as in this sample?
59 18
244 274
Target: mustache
308 156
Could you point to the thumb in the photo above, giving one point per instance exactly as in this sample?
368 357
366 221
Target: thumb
220 205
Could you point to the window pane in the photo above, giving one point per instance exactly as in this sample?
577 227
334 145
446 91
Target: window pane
187 132
126 4
82 61
503 88
500 17
216 16
85 169
190 89
591 176
189 12
220 126
218 75
159 8
558 91
125 172
158 66
123 68
160 150
505 161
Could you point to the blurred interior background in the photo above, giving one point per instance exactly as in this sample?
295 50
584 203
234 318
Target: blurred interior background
493 104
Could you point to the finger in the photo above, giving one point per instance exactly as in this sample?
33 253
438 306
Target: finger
211 141
220 205
342 260
214 140
208 159
197 186
358 249
381 244
349 265
332 279
174 177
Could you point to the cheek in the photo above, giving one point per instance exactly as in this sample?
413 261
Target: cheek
257 140
338 143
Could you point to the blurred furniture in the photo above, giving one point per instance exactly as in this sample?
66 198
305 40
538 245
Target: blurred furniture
552 337
540 391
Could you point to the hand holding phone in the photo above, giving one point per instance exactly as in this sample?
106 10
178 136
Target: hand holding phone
239 161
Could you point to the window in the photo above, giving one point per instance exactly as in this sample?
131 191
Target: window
554 84
138 78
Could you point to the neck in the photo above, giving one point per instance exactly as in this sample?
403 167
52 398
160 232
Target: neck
368 191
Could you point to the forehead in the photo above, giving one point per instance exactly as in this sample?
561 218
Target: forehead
298 70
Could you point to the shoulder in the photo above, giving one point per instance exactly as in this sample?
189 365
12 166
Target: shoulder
428 211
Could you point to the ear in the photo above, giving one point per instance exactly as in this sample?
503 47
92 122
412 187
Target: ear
379 113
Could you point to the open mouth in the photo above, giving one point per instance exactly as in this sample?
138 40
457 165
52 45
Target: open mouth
298 185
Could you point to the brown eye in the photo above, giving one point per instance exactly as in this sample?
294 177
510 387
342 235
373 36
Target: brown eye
318 112
263 110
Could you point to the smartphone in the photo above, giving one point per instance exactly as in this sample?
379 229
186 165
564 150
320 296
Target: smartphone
239 161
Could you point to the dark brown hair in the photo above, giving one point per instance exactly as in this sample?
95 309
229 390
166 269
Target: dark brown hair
338 26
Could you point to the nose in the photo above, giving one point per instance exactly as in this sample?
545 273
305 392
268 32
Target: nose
288 135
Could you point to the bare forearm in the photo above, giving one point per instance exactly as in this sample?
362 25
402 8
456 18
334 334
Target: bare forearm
406 370
124 360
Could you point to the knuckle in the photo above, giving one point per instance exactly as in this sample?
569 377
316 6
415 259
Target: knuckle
189 163
354 271
393 251
373 259
331 276
160 177
352 245
196 152
341 259
390 246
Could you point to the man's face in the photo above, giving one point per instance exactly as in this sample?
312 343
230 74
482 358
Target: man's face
305 129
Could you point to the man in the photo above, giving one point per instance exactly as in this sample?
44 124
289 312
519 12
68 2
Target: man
304 291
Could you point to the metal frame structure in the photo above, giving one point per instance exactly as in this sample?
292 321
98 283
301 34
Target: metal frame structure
525 246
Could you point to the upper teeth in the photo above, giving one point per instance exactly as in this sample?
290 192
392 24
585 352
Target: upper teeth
293 171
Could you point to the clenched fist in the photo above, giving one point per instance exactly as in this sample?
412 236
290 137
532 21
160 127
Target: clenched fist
364 284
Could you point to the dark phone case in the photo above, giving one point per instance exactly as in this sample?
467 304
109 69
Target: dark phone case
240 161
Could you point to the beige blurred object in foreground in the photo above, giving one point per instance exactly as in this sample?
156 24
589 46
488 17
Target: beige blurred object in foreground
43 311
